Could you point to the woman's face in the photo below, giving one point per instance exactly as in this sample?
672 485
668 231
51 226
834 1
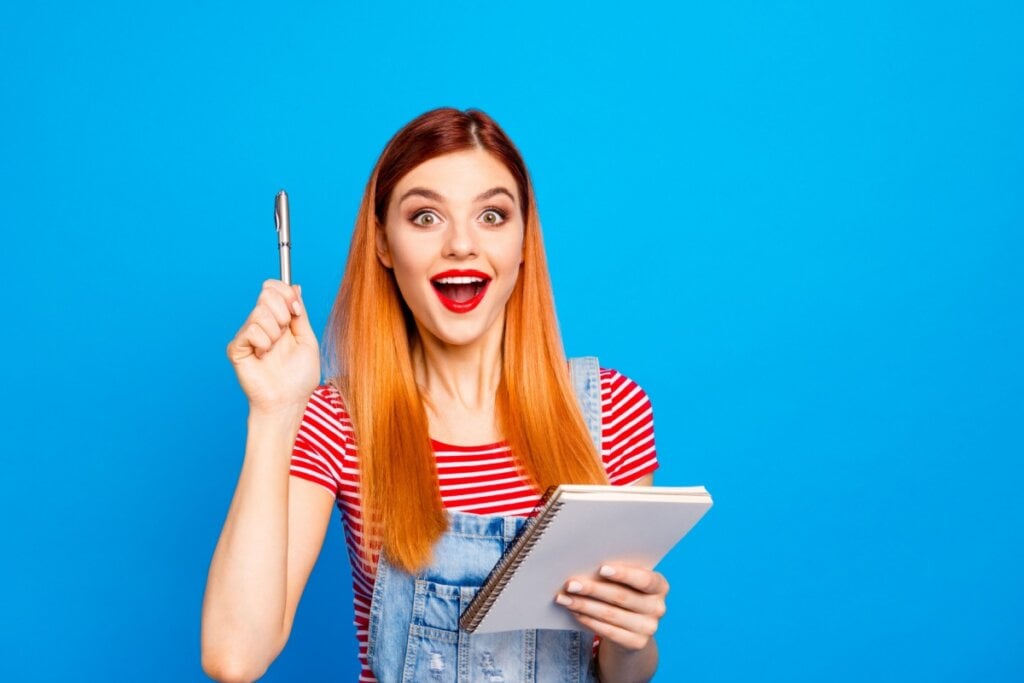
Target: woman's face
454 239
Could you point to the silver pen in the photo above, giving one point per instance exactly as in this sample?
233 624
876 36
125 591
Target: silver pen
284 236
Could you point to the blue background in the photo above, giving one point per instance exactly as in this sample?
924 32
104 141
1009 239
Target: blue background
798 225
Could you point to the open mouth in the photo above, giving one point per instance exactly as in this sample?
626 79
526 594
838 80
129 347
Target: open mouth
460 292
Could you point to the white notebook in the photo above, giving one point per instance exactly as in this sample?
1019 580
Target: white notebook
576 530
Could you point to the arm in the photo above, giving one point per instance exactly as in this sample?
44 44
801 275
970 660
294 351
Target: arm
623 608
270 541
622 664
276 523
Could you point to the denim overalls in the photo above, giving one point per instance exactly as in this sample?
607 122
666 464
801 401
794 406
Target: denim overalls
414 633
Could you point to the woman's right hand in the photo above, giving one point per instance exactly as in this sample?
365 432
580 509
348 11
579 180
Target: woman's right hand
275 353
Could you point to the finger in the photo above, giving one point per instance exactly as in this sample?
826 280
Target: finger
255 338
244 343
300 327
239 348
622 637
637 622
262 317
639 578
286 291
277 305
617 594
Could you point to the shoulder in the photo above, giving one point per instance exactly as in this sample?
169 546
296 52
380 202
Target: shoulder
327 414
618 391
627 429
328 398
323 448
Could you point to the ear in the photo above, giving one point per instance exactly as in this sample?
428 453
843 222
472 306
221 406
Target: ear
383 252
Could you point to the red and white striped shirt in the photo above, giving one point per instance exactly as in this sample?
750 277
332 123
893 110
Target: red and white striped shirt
481 480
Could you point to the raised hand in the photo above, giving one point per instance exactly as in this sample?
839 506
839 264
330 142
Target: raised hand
275 353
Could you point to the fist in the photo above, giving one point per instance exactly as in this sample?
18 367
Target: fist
275 353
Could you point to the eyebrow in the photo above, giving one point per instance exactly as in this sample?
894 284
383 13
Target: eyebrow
434 196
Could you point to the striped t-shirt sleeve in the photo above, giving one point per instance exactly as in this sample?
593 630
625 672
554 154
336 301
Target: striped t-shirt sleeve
320 442
627 429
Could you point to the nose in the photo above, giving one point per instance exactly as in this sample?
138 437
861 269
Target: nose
460 240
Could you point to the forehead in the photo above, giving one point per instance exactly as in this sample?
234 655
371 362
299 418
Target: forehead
459 176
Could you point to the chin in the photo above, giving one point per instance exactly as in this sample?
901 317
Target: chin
464 334
458 339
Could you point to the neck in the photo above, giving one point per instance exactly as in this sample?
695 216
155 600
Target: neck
466 376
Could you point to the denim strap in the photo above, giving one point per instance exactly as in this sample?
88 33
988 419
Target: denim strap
586 381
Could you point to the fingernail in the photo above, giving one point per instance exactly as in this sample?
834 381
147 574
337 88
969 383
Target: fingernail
297 307
574 587
563 599
606 571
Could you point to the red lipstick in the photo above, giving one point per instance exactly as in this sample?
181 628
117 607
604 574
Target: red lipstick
453 286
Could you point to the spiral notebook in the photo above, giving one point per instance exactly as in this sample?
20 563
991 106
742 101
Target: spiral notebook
577 529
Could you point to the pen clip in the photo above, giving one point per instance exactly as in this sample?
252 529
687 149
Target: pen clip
281 219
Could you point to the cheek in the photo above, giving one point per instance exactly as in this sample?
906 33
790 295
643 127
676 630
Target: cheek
404 260
408 281
410 289
513 268
513 251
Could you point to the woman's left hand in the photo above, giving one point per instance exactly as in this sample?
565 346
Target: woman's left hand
622 604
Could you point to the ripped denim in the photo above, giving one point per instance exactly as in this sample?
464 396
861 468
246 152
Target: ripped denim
414 633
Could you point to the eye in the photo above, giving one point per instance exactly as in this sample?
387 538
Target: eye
425 218
493 216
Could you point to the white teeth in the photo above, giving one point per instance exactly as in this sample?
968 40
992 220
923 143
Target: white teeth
461 280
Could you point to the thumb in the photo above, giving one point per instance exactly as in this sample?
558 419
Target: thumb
300 327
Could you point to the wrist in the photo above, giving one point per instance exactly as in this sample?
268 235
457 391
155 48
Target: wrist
615 663
278 415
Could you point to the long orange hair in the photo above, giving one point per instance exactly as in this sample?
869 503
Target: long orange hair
370 332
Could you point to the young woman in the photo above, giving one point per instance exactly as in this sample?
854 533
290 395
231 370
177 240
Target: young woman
450 408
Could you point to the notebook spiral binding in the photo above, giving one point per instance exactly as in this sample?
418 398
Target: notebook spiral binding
510 561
